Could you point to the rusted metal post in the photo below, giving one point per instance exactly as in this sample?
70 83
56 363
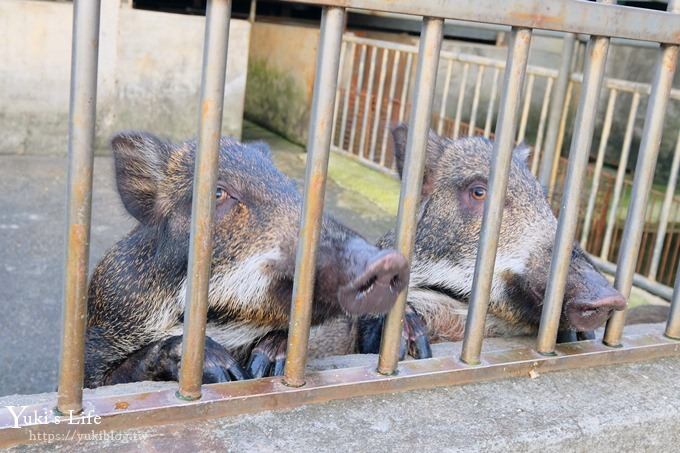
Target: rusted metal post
81 125
203 198
593 75
550 151
535 159
445 96
665 212
421 114
599 162
644 176
318 149
475 100
492 102
461 100
515 69
620 176
673 325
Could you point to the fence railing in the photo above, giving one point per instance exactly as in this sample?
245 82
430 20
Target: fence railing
600 20
375 92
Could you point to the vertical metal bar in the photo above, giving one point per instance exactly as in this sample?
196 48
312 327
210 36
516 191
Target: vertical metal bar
445 96
492 102
407 83
461 99
379 103
560 139
550 150
390 97
535 159
515 68
593 75
644 175
367 102
253 11
345 102
665 212
525 110
620 176
318 148
357 98
426 78
203 199
475 100
673 325
599 161
336 108
81 126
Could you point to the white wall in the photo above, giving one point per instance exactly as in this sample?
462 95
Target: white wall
149 73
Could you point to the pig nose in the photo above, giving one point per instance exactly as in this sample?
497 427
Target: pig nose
377 288
589 315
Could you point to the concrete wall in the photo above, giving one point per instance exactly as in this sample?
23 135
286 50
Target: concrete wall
281 77
149 74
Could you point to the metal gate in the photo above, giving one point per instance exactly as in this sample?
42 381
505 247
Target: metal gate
601 20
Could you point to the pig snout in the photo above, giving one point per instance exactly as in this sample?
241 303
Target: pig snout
590 307
378 278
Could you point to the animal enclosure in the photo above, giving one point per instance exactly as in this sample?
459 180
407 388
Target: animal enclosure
601 20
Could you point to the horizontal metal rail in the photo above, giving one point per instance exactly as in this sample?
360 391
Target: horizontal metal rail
234 398
572 16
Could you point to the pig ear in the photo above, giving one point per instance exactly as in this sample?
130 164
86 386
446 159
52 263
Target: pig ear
140 160
433 152
262 147
522 152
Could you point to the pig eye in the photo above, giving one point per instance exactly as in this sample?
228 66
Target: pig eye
221 194
478 193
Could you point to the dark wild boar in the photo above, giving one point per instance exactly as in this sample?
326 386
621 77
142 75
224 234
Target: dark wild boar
137 292
450 218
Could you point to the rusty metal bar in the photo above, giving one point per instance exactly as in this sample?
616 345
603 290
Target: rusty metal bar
535 158
81 126
390 97
665 212
640 281
572 16
492 102
203 199
318 149
357 99
461 100
445 96
620 176
336 108
528 91
118 412
550 149
673 325
599 162
419 124
593 75
367 102
379 103
644 175
345 103
560 140
405 88
475 100
518 55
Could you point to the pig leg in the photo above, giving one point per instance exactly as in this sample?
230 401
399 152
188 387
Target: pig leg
268 357
414 340
161 361
569 336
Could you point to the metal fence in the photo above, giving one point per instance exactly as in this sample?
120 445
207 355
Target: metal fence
375 93
191 400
